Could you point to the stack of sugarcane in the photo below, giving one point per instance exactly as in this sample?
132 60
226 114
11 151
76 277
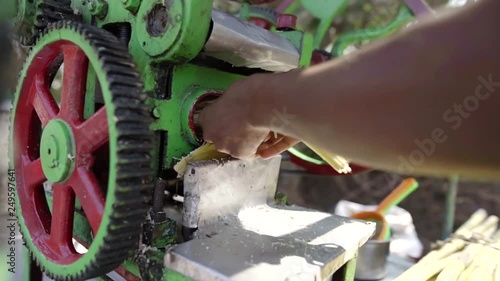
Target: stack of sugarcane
471 253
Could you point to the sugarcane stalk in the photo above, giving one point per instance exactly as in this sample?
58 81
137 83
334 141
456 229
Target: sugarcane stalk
426 271
454 261
447 249
488 227
475 220
454 269
496 275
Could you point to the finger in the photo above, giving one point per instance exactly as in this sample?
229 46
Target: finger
268 137
278 148
269 143
275 139
263 146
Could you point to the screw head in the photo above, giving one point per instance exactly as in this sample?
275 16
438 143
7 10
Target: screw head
98 8
131 5
158 20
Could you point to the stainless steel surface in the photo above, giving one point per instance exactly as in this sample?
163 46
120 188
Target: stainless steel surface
372 260
243 235
244 44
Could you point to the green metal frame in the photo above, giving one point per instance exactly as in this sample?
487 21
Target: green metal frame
325 11
403 17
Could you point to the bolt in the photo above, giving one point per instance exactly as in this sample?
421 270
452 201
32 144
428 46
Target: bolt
286 22
157 21
131 5
98 8
156 112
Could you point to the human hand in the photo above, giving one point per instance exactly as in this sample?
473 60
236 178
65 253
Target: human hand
234 122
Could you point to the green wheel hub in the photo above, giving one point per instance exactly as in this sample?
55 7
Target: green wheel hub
57 151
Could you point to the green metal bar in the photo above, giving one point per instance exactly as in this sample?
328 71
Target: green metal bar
347 272
345 40
244 12
325 24
350 268
292 8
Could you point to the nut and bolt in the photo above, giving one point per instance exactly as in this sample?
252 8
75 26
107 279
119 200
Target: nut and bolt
98 8
158 21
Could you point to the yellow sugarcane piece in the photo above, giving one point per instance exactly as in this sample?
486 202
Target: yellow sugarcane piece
475 220
477 273
452 271
338 163
496 236
429 270
205 152
488 227
447 249
457 260
496 275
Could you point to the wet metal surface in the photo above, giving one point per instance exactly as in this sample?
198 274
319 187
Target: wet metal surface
243 235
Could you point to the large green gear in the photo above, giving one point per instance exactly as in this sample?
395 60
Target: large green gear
130 146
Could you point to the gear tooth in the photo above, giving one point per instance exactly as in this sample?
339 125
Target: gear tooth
46 12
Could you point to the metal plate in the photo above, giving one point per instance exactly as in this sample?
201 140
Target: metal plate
246 45
243 235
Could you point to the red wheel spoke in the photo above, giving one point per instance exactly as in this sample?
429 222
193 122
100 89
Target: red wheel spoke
33 174
74 83
93 133
44 103
63 207
90 195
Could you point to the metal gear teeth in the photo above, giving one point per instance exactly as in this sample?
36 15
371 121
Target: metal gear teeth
267 13
135 142
46 13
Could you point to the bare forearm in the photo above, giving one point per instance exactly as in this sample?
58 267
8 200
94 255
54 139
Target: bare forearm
413 104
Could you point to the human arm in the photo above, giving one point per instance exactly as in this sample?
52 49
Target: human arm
374 105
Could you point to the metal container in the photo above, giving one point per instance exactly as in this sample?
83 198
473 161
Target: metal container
372 260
